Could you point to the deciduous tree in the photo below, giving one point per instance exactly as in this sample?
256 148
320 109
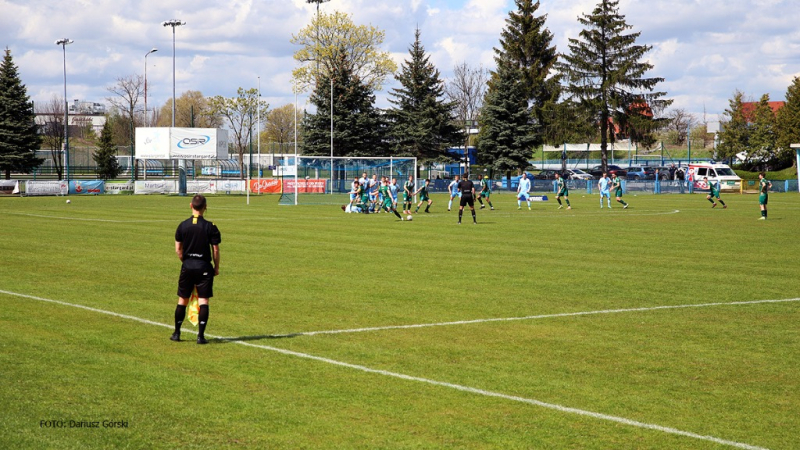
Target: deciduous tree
331 39
191 110
240 114
788 123
51 122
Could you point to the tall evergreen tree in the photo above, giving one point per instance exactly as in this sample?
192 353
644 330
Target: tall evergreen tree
358 127
526 44
788 124
763 133
735 135
506 137
105 157
605 72
421 123
19 137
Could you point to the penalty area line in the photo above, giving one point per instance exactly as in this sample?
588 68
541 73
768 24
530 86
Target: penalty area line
540 316
458 387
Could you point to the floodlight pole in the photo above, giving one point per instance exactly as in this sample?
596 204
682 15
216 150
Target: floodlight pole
181 162
258 128
63 43
331 135
145 84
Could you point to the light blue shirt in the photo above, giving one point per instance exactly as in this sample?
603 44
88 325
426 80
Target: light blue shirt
604 184
524 185
393 191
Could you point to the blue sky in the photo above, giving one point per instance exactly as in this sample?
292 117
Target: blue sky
704 49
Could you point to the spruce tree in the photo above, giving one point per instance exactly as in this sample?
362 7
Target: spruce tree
788 124
421 122
605 71
105 157
19 137
506 135
527 44
358 128
735 135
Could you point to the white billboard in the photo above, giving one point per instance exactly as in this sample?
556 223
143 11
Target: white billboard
181 143
152 143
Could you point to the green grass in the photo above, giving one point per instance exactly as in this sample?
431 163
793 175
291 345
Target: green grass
790 173
731 372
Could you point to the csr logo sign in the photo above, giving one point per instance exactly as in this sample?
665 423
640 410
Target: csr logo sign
193 142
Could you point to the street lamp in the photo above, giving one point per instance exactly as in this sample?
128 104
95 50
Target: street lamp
63 43
145 84
181 163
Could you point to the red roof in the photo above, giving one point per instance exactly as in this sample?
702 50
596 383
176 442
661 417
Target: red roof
749 109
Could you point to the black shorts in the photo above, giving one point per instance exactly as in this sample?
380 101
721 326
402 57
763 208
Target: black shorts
200 275
467 200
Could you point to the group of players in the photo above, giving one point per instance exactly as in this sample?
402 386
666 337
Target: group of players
373 195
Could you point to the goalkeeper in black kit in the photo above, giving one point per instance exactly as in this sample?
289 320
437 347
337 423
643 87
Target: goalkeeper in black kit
467 189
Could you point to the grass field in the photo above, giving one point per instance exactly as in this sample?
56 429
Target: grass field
647 328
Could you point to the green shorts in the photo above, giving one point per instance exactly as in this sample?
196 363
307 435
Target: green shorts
486 194
714 194
564 193
407 198
424 198
618 193
763 199
388 203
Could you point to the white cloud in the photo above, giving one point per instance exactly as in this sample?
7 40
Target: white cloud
705 50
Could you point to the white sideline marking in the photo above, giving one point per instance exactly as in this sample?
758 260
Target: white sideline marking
458 387
86 219
542 316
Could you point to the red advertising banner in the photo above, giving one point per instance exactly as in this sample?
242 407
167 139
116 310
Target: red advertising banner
273 186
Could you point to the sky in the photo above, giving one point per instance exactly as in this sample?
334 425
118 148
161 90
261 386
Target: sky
705 50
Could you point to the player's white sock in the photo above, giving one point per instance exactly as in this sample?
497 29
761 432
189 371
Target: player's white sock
529 204
519 203
450 204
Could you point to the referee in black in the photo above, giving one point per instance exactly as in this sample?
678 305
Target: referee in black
467 189
197 244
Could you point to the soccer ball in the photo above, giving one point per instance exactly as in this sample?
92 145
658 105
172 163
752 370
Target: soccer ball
69 201
409 218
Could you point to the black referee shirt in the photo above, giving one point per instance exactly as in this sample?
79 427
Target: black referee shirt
197 236
466 187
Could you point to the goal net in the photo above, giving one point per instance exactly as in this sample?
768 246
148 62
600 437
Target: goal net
325 180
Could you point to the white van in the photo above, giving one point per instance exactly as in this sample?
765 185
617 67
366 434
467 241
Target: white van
727 178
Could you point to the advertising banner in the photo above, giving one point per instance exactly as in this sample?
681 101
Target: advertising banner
152 143
201 186
156 187
84 187
227 186
181 143
265 186
46 188
273 186
116 188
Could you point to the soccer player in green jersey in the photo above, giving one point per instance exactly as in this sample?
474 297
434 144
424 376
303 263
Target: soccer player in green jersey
408 195
562 191
424 196
763 197
386 203
616 186
486 192
713 193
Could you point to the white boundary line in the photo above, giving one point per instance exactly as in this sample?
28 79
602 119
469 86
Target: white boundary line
458 387
542 316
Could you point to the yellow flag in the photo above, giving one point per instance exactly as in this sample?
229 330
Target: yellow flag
193 311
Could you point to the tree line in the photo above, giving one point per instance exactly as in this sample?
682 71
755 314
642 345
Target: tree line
596 90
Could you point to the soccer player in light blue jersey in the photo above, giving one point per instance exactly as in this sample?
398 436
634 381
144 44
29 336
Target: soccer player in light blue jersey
523 191
393 188
604 185
454 192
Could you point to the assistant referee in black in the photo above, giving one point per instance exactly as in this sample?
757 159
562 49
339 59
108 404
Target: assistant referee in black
467 188
197 244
